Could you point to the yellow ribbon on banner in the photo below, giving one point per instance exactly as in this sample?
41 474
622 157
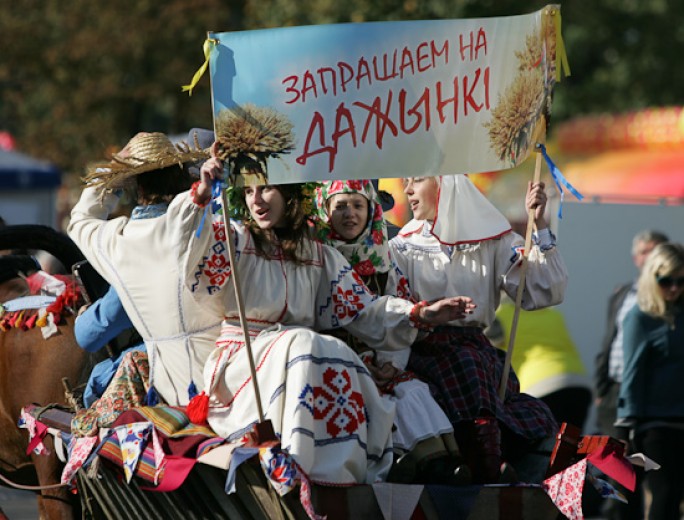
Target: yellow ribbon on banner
561 56
206 47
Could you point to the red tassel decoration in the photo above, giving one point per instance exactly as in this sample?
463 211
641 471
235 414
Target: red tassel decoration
198 408
13 319
31 322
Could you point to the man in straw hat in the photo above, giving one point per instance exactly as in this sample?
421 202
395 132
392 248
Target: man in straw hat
141 256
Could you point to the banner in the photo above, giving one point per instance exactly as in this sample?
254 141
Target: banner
395 99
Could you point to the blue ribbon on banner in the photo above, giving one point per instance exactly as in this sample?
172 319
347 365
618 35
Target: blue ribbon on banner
216 187
559 179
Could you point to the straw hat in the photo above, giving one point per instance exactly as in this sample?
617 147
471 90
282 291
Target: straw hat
145 152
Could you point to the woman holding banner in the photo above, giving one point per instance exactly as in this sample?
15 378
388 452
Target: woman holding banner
317 393
458 243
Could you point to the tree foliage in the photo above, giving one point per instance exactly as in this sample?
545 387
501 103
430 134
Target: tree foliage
80 76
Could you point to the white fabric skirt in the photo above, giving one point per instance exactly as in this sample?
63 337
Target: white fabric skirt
316 391
418 415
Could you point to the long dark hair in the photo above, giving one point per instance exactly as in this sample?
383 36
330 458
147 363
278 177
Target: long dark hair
298 226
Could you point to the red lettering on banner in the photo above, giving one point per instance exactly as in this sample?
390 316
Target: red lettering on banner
435 52
470 49
363 71
345 79
386 75
382 119
396 113
481 42
397 64
308 83
422 57
291 89
343 113
468 99
317 126
424 100
321 74
406 62
442 102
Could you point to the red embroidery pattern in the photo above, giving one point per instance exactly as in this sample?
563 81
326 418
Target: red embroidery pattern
346 303
403 290
336 403
217 270
219 231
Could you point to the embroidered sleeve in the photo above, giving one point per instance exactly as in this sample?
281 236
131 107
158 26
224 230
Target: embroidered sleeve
344 301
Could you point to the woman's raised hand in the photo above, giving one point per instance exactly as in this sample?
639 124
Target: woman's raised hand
446 310
210 170
536 200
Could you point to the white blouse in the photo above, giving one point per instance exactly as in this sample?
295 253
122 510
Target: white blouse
322 294
142 260
480 270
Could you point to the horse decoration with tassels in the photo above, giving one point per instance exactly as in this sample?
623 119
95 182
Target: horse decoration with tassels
38 355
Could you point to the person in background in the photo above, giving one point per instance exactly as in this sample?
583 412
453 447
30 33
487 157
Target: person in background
608 369
353 223
459 243
546 360
651 402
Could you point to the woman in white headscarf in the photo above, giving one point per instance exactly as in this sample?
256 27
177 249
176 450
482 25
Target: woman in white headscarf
459 243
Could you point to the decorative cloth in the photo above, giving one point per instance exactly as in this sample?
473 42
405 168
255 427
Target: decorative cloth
565 490
605 489
132 440
37 431
51 298
79 450
176 444
614 465
398 501
369 252
281 470
128 389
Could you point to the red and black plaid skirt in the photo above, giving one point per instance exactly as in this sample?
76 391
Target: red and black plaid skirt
463 371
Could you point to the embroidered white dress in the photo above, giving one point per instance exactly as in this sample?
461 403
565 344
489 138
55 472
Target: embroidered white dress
316 391
480 270
142 260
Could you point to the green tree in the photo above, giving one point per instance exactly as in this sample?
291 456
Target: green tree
78 77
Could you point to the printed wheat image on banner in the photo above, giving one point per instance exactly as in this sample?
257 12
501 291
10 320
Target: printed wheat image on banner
394 99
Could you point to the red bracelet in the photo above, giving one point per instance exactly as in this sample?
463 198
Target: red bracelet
193 194
414 316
